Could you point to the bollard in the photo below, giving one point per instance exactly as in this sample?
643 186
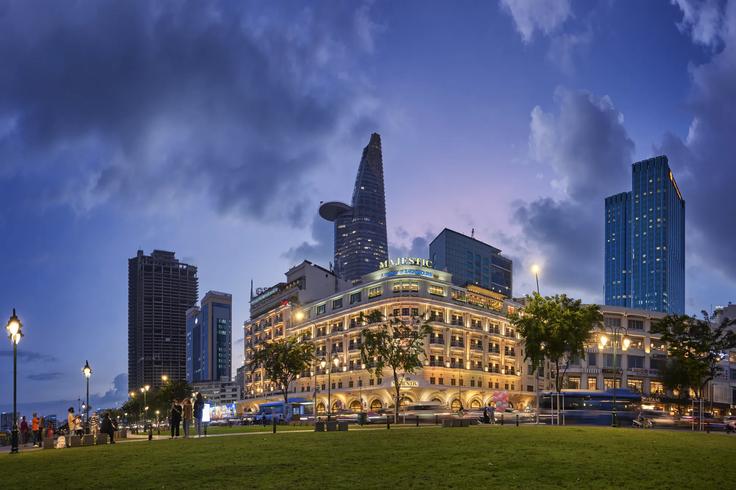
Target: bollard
436 420
388 422
707 428
417 420
517 420
150 432
501 419
274 425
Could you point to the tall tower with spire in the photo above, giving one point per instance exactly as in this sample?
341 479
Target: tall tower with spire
360 229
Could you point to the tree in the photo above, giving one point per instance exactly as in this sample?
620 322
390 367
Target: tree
697 346
555 328
394 344
676 378
283 361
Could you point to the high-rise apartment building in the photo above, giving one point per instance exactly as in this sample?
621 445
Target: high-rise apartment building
209 339
160 291
360 229
471 261
645 241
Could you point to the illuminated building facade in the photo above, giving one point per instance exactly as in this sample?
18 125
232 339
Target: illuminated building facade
360 229
209 338
472 355
645 241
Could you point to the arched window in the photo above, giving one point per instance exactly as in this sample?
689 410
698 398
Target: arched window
336 406
355 406
437 400
320 407
405 400
456 405
376 405
475 404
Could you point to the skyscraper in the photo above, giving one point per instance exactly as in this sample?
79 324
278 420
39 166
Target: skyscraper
360 229
471 261
209 338
160 290
645 241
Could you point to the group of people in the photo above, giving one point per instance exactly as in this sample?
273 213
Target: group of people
107 426
489 415
183 413
35 430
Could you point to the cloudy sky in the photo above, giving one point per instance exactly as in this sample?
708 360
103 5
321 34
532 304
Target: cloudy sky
215 128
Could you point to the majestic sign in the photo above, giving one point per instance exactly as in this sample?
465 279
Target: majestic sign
405 261
406 383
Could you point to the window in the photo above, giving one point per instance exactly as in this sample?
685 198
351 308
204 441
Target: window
636 362
592 358
609 361
608 383
573 383
336 303
406 287
593 384
375 292
657 363
436 290
656 387
321 309
431 380
355 298
635 385
636 324
613 322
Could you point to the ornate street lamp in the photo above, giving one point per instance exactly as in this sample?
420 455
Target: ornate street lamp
15 332
618 337
87 371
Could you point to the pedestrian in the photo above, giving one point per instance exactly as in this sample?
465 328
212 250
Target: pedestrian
35 427
175 418
23 431
486 417
198 411
70 421
94 424
108 427
188 412
492 413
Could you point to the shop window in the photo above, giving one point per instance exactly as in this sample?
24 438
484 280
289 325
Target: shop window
376 405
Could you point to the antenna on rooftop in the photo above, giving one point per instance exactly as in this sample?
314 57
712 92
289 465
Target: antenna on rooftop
472 233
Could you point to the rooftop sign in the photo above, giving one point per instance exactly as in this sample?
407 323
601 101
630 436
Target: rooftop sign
405 261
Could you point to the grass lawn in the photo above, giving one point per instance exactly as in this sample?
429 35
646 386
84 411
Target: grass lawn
477 457
239 429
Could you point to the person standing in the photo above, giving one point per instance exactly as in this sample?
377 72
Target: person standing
35 427
23 431
198 411
175 418
188 412
108 427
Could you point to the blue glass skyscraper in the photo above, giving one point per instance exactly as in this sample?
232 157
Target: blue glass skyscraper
209 339
361 242
645 241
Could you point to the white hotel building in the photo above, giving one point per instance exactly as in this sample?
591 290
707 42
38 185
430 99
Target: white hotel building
473 355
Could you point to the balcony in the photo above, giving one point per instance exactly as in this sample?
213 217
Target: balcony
455 343
437 341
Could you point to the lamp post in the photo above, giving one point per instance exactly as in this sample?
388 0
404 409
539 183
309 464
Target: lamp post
459 385
15 332
618 335
87 371
360 387
323 363
535 271
144 390
164 378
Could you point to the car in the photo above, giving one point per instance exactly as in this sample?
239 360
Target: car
730 422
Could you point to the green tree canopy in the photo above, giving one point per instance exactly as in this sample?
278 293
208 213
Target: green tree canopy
394 344
697 346
283 360
555 328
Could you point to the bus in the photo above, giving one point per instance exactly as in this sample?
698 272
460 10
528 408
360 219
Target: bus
592 407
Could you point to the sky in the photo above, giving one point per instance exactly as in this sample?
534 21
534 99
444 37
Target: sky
214 129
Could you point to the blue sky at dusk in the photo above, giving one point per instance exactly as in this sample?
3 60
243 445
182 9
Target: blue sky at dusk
214 129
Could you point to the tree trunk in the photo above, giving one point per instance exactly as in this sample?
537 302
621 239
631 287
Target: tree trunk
398 397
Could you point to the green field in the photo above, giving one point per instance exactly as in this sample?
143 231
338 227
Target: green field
476 457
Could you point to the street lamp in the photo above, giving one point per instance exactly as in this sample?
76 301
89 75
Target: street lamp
459 385
144 390
323 364
164 378
535 271
618 337
15 332
87 371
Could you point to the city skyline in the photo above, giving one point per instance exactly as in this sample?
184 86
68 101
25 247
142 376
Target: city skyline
504 120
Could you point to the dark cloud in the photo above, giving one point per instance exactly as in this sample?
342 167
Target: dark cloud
320 249
590 151
705 157
152 102
115 395
585 143
29 356
417 246
45 376
569 238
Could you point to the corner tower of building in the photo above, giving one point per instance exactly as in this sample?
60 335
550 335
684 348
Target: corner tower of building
360 229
